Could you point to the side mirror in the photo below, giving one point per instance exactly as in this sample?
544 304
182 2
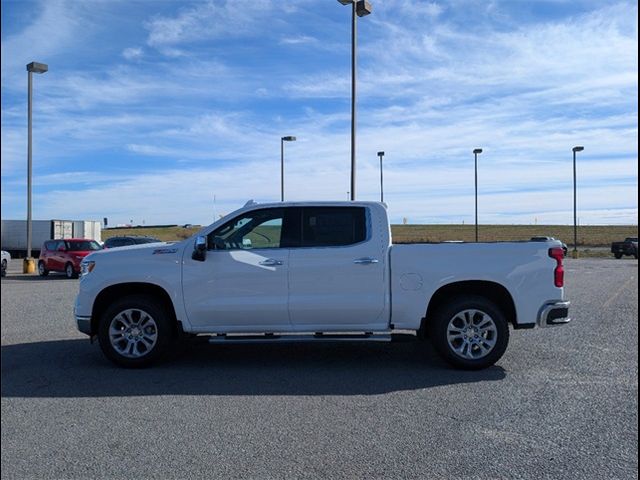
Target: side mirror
200 249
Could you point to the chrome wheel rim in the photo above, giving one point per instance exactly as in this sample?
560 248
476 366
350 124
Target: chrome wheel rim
133 333
69 271
41 268
472 334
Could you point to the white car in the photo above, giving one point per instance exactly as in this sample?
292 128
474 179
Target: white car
322 271
6 259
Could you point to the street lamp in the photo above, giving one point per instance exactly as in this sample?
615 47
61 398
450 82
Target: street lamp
282 140
575 211
476 151
381 154
33 67
359 8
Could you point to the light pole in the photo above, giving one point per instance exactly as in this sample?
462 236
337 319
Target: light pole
360 8
33 67
381 154
476 151
282 140
575 210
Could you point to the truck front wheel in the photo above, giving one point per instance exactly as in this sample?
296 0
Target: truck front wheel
135 331
469 332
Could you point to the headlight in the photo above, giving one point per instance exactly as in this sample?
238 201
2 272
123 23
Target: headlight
87 267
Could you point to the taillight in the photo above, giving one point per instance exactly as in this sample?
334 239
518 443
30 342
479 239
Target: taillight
558 274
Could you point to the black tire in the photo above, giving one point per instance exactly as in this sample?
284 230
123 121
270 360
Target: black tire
452 311
4 268
617 255
69 271
163 331
43 272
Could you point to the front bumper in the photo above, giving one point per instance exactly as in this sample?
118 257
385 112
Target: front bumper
84 324
553 314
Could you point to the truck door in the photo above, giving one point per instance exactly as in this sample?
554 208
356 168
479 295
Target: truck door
337 275
242 283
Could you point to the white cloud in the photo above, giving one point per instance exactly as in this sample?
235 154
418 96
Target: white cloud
207 20
132 53
298 40
55 25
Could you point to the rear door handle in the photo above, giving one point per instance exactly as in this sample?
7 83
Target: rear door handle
271 262
365 261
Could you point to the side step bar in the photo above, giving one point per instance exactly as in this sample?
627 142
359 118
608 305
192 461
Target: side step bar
296 338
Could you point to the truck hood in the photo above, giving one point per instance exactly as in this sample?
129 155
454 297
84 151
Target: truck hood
137 251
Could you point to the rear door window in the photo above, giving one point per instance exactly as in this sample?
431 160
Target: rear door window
333 226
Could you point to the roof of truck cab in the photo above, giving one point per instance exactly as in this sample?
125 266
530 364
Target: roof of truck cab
316 203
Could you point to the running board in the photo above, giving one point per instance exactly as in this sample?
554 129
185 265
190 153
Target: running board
292 338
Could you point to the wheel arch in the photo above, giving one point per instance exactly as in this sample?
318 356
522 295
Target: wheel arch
113 292
492 291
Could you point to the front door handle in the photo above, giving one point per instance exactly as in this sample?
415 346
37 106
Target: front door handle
271 262
365 261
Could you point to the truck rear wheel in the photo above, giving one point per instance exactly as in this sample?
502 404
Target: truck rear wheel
135 331
469 332
617 255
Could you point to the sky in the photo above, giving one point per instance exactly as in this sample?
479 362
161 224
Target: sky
171 112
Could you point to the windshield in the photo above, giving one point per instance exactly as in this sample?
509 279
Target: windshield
82 245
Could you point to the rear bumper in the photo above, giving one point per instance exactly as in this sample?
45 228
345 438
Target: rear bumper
553 314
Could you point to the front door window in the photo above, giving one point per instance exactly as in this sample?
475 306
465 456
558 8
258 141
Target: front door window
257 229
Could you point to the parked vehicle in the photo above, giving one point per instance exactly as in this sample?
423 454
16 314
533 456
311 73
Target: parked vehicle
628 247
114 242
548 239
14 233
65 255
318 272
6 259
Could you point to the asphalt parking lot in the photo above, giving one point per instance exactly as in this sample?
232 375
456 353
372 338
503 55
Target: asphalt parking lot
562 403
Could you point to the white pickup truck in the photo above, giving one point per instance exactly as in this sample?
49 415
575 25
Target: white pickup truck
318 271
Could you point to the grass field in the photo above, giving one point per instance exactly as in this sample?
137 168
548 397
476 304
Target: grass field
588 236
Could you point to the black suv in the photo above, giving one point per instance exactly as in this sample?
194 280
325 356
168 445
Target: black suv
115 242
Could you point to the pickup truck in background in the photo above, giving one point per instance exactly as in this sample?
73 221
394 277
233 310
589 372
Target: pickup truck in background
628 247
318 272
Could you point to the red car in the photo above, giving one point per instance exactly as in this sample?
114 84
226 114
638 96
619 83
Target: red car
65 255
